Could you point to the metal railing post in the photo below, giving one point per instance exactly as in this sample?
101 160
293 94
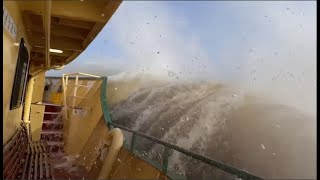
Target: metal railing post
75 91
133 141
64 81
165 160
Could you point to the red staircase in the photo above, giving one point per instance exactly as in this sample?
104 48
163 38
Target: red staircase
52 128
52 133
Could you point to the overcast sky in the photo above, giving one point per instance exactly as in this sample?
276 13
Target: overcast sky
260 44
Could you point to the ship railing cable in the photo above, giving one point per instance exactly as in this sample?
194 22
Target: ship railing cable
168 147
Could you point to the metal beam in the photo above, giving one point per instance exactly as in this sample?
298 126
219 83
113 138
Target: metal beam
76 10
63 31
40 50
77 23
47 29
62 43
54 59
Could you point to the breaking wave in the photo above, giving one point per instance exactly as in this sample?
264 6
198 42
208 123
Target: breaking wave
216 120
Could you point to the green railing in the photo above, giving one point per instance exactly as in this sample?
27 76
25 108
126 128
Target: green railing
168 148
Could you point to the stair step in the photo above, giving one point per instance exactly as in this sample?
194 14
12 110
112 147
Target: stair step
52 132
55 143
49 104
51 122
57 155
52 137
52 112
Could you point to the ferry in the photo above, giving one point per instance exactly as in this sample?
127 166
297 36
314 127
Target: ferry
61 127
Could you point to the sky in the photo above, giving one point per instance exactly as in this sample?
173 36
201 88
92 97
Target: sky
258 44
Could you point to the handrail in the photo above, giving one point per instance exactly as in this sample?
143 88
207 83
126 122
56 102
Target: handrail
84 74
104 104
65 84
215 163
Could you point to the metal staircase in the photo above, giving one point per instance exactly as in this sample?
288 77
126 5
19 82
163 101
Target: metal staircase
52 128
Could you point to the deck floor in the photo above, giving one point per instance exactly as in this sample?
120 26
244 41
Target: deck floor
63 168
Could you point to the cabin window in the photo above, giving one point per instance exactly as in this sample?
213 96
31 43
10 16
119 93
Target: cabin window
19 84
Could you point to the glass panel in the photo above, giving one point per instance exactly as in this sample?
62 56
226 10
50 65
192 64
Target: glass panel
20 77
181 166
149 151
127 138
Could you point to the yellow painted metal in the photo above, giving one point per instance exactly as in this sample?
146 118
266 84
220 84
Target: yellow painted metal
79 128
56 98
11 118
47 29
28 100
38 87
36 116
130 166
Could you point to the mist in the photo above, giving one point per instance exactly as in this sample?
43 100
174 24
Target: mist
265 47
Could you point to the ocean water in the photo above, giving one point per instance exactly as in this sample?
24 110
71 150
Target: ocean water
247 130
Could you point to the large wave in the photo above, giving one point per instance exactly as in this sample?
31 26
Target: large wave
217 120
